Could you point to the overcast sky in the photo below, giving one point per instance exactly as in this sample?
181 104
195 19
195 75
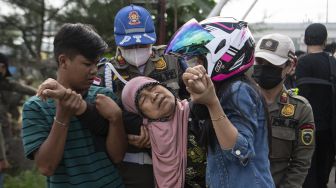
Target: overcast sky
282 10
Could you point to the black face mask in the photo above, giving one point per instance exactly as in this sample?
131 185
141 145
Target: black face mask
267 76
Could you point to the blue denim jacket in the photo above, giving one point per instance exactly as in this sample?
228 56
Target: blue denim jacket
246 165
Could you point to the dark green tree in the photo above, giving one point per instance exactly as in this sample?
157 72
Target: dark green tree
181 11
101 14
29 22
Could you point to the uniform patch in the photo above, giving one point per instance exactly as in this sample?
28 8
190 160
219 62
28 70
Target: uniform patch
115 77
284 122
121 60
284 97
134 18
160 64
307 136
269 44
288 110
164 76
307 126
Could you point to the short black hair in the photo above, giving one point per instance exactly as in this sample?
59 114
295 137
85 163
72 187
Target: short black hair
74 39
4 60
315 34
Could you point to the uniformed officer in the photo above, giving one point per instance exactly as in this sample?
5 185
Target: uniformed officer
135 35
8 89
8 84
291 115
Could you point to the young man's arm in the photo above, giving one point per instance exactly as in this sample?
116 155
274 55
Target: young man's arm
92 120
50 153
115 134
116 142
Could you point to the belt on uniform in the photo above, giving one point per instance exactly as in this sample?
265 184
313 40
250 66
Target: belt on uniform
139 158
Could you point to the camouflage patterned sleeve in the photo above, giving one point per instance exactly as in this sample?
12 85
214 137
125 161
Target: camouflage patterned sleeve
20 88
2 146
303 148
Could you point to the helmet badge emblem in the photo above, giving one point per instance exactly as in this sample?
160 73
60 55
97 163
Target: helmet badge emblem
134 18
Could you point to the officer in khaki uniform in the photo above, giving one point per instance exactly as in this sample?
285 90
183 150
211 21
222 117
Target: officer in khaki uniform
135 35
8 89
10 92
291 116
10 85
164 68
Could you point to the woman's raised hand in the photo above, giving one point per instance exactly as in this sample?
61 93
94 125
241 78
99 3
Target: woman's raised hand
199 85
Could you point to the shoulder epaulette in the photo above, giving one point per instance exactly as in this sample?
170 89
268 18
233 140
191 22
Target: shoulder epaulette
159 47
159 50
300 98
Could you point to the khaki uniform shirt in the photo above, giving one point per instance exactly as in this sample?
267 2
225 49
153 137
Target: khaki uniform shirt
292 139
7 89
164 68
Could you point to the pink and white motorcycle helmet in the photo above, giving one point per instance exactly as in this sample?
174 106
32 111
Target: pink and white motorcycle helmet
226 43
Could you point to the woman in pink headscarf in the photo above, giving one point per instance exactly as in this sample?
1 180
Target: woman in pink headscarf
177 160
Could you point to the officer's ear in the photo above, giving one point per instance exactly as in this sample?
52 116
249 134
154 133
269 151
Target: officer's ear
295 60
291 63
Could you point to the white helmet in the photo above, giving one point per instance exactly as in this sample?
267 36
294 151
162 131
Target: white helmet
227 44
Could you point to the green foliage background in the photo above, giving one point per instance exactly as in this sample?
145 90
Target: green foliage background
26 179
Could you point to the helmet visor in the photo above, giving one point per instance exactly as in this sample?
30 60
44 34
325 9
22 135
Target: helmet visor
189 40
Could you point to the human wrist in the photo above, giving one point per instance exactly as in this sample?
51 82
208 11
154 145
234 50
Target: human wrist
115 119
62 117
60 123
212 102
220 117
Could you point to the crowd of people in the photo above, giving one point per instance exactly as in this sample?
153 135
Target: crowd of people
185 114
